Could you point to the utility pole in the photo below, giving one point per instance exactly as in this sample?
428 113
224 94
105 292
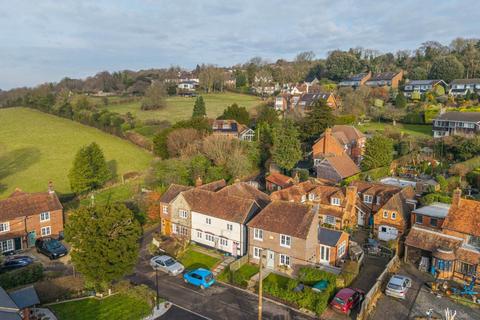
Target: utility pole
260 287
156 282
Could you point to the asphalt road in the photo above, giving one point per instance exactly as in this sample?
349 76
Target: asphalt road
175 313
217 302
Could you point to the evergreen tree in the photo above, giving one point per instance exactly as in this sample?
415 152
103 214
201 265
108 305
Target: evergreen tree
378 153
286 150
199 110
400 100
316 121
104 242
234 112
90 170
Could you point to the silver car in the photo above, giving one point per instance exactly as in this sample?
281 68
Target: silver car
398 286
167 264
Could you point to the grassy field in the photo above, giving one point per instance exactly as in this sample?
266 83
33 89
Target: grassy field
180 108
36 147
417 130
192 259
118 307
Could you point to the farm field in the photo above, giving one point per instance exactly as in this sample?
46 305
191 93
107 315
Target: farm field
180 108
417 130
36 147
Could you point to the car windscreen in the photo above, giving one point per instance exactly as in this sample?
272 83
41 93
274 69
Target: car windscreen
53 245
394 286
169 262
339 301
209 278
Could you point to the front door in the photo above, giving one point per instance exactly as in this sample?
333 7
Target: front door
270 259
324 255
360 218
32 236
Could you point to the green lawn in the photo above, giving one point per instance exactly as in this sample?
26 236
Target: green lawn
192 259
241 276
180 108
118 193
118 307
36 147
417 130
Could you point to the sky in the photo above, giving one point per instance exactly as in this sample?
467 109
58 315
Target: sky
46 40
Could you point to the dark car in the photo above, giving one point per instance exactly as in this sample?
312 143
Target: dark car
51 247
347 299
16 263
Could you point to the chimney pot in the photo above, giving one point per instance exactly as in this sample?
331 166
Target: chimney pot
50 187
198 182
457 196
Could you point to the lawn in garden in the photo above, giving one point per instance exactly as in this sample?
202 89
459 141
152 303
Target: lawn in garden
36 148
417 130
118 307
193 259
180 108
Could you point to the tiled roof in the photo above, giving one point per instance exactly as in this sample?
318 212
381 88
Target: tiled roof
25 297
465 81
430 240
460 116
422 82
217 205
436 209
246 191
343 165
233 126
468 256
329 237
21 204
287 218
383 76
350 132
464 218
214 185
172 192
279 179
398 202
357 77
322 193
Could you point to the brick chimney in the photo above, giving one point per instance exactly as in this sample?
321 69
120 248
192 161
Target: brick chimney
456 197
351 195
198 182
50 188
296 178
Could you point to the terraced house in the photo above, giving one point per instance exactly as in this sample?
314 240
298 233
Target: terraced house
450 247
26 216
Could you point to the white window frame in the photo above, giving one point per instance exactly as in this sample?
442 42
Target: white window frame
46 231
174 228
9 245
182 213
210 237
165 209
335 201
328 219
285 241
224 242
311 196
229 227
199 234
208 221
341 249
367 198
304 198
284 260
4 227
45 216
385 213
256 252
258 234
394 215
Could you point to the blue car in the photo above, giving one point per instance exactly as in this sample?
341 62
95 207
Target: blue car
200 277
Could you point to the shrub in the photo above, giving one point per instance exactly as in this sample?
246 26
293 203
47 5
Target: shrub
61 288
20 277
349 273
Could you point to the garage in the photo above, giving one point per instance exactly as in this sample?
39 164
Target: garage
386 233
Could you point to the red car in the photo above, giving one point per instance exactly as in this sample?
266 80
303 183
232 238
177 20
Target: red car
347 299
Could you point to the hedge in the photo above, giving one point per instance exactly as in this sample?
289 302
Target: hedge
20 277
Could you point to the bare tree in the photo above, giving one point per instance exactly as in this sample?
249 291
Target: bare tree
178 140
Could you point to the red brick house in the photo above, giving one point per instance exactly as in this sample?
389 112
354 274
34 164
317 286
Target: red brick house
335 168
450 250
338 140
277 181
24 217
232 129
332 246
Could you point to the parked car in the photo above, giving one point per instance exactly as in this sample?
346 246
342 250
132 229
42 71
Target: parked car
51 247
167 264
347 299
200 277
16 263
398 286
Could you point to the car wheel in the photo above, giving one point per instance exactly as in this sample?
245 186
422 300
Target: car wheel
349 311
202 287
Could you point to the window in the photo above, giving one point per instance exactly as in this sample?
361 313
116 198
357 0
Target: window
257 252
444 265
285 241
367 198
45 216
394 215
208 220
223 242
329 220
199 234
183 213
341 249
474 241
383 229
183 230
324 253
466 269
229 227
304 198
379 200
6 245
385 214
335 201
209 237
284 260
165 209
433 222
311 196
258 234
174 228
46 231
5 226
419 218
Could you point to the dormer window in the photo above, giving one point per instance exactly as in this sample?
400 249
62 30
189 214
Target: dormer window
311 196
335 201
367 198
379 200
304 198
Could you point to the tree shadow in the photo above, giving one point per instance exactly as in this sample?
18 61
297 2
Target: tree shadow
112 167
17 160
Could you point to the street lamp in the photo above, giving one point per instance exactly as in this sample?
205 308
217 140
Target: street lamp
156 282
